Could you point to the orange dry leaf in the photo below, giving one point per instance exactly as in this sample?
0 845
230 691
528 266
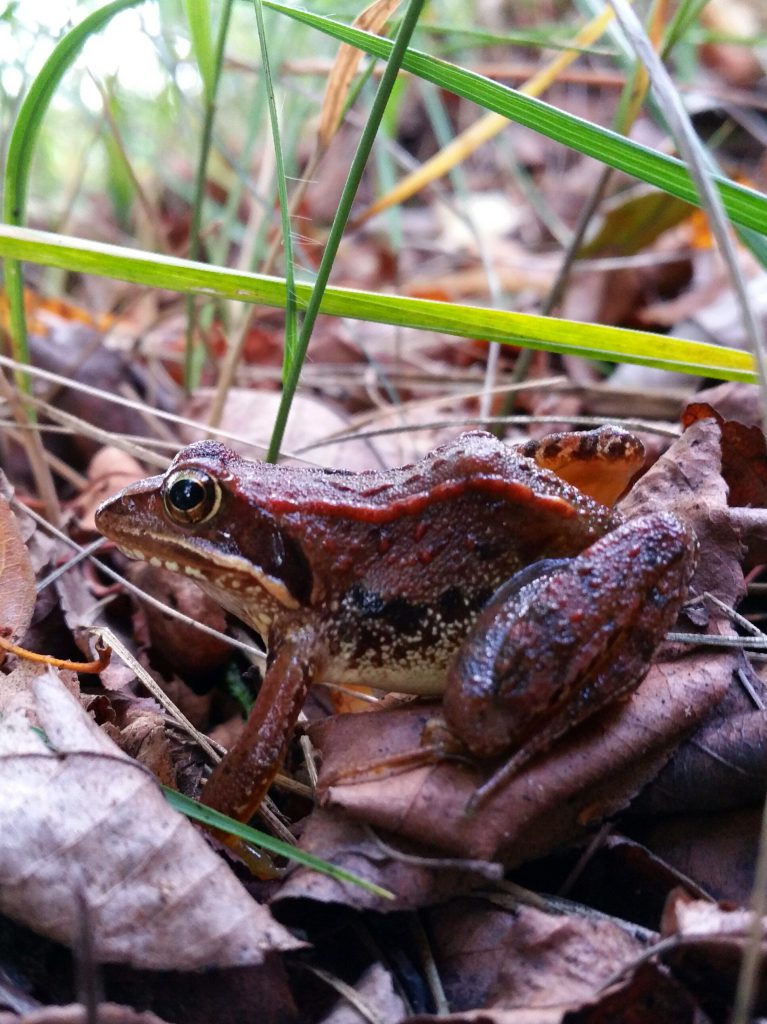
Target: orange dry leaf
372 19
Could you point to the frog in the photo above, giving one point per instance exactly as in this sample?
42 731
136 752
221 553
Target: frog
477 574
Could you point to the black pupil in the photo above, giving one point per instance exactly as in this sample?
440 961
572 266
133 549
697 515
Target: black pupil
186 494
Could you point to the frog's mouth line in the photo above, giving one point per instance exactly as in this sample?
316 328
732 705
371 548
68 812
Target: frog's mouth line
236 569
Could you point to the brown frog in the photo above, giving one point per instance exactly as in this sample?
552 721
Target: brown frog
382 578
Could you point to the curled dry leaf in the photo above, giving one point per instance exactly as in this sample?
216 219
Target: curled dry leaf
522 957
711 942
372 19
82 824
744 455
17 593
592 772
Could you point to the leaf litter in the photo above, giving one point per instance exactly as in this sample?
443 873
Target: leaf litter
106 835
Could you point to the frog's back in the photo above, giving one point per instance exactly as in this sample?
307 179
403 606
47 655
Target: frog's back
412 555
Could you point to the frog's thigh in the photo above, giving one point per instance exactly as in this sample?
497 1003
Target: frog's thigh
570 641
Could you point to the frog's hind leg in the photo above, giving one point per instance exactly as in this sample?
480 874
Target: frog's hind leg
567 644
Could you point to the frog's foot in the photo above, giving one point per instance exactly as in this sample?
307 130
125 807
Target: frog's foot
601 462
438 743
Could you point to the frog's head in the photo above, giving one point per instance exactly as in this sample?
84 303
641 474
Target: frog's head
208 517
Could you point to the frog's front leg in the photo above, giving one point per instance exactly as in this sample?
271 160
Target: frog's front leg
567 642
240 782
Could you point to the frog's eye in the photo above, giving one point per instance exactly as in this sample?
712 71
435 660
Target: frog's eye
191 496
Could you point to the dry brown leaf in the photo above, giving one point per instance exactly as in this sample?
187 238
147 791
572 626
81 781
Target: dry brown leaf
688 480
523 957
17 592
590 774
372 19
76 1013
744 455
723 766
649 994
711 942
250 414
82 824
414 875
717 851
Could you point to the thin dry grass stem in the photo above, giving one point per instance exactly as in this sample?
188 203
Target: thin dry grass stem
498 69
32 444
484 129
83 428
248 648
152 222
428 963
339 80
348 993
243 313
476 422
87 389
108 637
489 870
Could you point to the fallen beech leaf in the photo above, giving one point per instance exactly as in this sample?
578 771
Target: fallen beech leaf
79 821
717 851
724 766
649 994
711 944
688 480
414 875
624 879
744 455
17 589
522 957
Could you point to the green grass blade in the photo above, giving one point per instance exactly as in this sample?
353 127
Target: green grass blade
193 353
745 206
21 149
199 16
396 53
291 354
593 341
206 815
